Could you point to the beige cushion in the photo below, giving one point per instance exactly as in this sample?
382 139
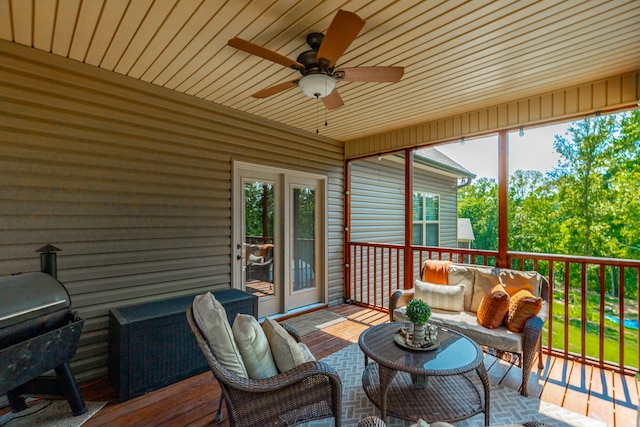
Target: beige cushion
254 347
444 297
211 318
463 275
485 279
515 281
467 323
306 353
285 350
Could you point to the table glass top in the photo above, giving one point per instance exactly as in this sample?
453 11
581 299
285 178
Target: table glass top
455 352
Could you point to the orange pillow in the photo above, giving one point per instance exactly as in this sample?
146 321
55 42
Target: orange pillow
523 306
493 307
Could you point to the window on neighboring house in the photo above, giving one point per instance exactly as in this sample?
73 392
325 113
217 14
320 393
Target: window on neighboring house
426 219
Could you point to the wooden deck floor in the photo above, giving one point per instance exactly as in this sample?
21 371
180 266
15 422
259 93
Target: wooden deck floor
596 393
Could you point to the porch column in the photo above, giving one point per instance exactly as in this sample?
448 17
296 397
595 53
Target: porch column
503 189
347 230
408 218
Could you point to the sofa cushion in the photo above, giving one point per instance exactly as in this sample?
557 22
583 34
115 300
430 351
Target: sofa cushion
285 350
485 279
467 323
514 281
463 275
444 297
493 307
211 318
254 347
523 306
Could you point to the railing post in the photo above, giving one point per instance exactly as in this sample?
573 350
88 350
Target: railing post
408 218
503 188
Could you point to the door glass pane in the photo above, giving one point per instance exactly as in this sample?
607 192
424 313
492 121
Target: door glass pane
258 240
303 245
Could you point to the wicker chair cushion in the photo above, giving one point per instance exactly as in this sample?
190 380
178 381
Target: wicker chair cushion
493 307
444 297
523 305
254 347
286 351
211 318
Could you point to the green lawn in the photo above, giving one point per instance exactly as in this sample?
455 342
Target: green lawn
592 338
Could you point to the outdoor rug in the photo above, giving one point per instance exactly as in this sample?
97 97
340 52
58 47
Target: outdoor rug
314 321
49 413
507 405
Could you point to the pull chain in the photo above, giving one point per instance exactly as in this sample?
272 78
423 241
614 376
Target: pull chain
317 112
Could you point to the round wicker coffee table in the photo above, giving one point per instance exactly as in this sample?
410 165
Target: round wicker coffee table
449 383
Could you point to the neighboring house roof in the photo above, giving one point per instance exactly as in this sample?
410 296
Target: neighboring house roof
436 159
465 231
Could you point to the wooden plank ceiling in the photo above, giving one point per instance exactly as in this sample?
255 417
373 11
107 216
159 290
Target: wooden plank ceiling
458 55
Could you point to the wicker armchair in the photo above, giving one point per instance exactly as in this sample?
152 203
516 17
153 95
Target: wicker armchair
308 392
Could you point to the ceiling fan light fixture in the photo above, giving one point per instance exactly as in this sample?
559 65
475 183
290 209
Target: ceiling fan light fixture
317 85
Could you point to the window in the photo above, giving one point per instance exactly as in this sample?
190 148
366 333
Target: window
426 219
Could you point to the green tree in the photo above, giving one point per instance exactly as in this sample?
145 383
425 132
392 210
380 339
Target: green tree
479 203
533 217
582 185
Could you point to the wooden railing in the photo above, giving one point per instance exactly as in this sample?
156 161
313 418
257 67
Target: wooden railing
593 311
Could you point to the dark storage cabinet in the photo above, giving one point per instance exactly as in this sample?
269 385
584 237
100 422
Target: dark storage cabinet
151 345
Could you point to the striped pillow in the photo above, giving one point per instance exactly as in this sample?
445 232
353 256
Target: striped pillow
443 297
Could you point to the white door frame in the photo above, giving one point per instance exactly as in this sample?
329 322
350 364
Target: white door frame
282 271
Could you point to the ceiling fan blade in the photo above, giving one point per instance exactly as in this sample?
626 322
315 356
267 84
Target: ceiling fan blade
333 100
264 53
264 93
369 74
341 33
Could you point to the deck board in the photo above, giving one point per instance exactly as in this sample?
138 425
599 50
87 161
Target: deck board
193 402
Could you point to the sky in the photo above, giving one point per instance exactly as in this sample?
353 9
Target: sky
533 151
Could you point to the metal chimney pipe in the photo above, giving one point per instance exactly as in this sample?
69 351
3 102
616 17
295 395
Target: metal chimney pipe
48 261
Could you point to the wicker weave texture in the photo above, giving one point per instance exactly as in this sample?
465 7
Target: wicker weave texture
308 392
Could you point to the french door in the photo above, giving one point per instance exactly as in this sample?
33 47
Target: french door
279 228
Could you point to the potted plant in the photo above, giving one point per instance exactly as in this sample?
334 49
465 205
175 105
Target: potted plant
418 313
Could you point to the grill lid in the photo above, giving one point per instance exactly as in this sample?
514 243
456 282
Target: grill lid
30 295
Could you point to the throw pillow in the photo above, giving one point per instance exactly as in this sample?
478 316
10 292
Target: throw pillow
444 297
254 347
493 307
485 280
515 281
523 306
286 352
211 318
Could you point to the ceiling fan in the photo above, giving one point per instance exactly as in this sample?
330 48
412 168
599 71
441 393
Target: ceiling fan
317 65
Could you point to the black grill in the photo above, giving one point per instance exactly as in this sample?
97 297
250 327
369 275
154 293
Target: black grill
38 332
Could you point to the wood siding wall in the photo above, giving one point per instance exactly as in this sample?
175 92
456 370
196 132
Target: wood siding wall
133 183
613 94
377 201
